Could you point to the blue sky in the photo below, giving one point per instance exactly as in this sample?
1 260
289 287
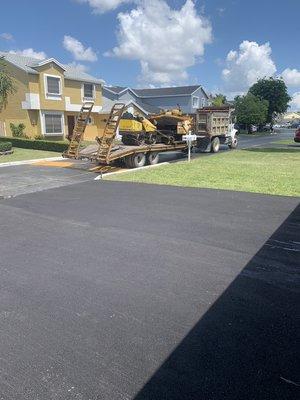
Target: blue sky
220 44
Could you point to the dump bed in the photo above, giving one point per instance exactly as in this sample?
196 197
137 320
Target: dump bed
213 121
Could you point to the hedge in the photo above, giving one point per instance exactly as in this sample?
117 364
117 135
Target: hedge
5 146
37 144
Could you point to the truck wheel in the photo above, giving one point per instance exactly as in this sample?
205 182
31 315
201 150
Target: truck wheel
152 158
233 144
203 144
138 160
128 162
215 145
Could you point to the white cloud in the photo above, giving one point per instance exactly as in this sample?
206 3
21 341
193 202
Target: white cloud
79 67
102 6
79 52
291 77
295 102
6 36
39 55
246 65
165 41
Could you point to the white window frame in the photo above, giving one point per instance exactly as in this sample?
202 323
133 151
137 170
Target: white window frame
203 102
52 96
43 113
82 91
197 99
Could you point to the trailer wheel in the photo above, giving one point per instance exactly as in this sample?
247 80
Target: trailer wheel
135 160
215 145
152 158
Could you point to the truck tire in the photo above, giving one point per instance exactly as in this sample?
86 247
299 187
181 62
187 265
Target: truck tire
136 160
203 144
215 145
153 158
234 143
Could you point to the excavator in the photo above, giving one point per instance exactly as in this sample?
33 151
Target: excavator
166 127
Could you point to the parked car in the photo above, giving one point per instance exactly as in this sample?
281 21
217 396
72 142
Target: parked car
297 135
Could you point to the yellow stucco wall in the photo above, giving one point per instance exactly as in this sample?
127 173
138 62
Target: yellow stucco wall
13 113
35 83
47 104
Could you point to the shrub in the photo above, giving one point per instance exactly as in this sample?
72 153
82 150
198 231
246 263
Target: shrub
5 146
37 144
17 130
39 137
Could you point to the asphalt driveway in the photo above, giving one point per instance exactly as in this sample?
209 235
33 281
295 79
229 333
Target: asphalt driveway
121 291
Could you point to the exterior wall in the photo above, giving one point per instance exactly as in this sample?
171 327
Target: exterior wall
185 102
13 113
203 101
170 102
33 119
73 90
47 104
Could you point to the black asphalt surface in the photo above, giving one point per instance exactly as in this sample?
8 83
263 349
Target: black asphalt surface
119 291
21 179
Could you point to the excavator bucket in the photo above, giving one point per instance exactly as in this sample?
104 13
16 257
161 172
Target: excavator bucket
78 132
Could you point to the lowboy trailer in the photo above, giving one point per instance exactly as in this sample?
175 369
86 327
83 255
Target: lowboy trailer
106 152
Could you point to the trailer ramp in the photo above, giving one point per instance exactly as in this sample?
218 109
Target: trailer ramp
78 132
106 142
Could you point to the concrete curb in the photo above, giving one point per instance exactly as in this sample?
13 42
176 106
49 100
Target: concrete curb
99 177
24 162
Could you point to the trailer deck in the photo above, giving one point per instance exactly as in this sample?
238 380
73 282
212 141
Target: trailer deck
121 151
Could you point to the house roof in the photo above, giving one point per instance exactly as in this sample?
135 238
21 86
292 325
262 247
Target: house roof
157 92
116 89
145 108
167 91
29 65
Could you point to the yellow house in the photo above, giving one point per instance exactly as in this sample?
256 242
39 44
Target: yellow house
48 98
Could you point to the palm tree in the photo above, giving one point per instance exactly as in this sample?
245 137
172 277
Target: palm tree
7 86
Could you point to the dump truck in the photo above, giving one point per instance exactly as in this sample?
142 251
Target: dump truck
215 126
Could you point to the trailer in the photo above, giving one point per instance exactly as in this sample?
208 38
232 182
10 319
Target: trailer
106 152
215 126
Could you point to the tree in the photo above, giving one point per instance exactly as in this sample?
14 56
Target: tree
219 99
251 110
7 86
273 90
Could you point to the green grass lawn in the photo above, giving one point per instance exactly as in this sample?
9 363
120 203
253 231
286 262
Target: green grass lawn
287 141
259 170
27 154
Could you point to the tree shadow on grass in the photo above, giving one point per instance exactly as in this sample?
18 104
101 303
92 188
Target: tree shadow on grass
245 346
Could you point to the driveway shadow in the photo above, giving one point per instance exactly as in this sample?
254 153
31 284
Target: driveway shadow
245 346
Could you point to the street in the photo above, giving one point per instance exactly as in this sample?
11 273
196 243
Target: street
123 291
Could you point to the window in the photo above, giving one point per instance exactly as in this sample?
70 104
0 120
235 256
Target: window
195 102
53 124
88 90
53 87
